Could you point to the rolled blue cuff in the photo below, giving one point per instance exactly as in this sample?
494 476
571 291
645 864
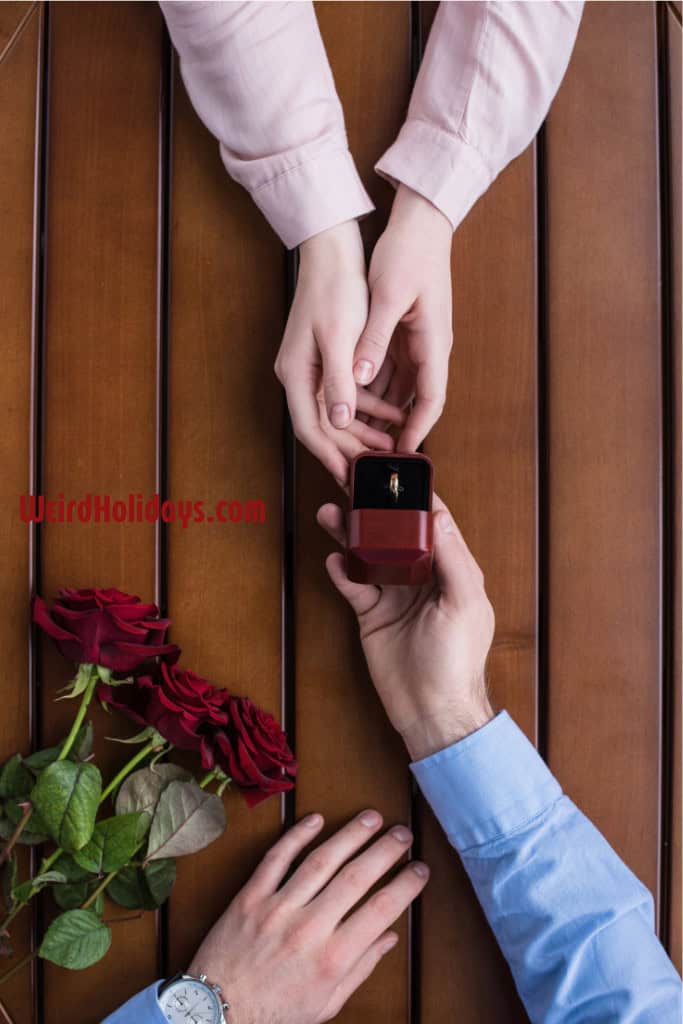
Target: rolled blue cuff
488 785
143 1008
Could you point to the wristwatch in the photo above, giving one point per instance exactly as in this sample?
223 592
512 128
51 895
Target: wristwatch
185 999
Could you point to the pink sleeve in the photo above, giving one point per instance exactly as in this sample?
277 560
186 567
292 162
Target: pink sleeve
258 77
489 74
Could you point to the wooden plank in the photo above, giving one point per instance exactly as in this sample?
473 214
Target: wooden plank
675 173
225 419
100 369
604 421
350 757
18 100
485 454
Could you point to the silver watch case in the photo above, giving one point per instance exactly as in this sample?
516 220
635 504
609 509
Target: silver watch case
221 1007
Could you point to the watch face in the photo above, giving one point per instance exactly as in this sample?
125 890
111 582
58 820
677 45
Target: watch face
190 1002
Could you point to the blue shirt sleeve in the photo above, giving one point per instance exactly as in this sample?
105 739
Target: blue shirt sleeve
575 925
141 1009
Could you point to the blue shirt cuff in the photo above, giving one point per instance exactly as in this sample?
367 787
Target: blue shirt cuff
143 1008
487 785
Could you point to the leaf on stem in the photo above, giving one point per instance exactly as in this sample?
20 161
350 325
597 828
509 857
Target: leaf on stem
141 790
80 751
143 888
186 820
26 889
77 686
15 779
76 939
112 844
66 796
74 894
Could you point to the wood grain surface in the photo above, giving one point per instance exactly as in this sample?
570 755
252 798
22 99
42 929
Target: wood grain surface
604 427
18 154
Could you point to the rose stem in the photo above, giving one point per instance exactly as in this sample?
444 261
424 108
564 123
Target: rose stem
17 967
208 778
12 841
78 720
5 1013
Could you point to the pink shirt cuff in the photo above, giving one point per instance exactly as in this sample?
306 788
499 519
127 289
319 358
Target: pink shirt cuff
316 194
442 167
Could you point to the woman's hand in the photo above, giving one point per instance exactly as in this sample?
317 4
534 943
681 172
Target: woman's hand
293 953
426 647
403 351
315 361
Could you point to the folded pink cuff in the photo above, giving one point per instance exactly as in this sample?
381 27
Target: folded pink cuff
321 191
443 168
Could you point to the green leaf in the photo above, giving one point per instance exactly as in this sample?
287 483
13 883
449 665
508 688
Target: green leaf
66 796
72 895
72 871
82 748
141 790
27 837
112 844
8 881
80 751
15 779
143 888
23 891
159 876
76 939
141 737
186 820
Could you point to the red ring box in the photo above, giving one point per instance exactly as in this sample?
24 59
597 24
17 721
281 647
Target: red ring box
390 534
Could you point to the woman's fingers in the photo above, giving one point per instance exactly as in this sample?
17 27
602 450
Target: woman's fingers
280 857
371 437
324 862
304 410
430 396
378 913
355 880
361 596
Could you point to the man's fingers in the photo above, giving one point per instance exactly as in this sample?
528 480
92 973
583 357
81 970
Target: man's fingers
355 880
379 912
430 395
359 973
374 341
331 518
361 596
455 567
339 386
280 857
324 862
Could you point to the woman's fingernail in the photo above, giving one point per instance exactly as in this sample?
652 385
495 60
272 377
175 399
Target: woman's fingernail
389 944
313 820
340 415
446 523
363 371
370 819
402 834
420 869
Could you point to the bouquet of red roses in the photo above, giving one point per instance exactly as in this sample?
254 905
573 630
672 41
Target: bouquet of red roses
122 836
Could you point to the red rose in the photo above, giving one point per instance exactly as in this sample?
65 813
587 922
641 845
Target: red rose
253 751
180 705
105 627
188 711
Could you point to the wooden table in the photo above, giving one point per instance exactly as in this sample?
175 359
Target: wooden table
142 298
